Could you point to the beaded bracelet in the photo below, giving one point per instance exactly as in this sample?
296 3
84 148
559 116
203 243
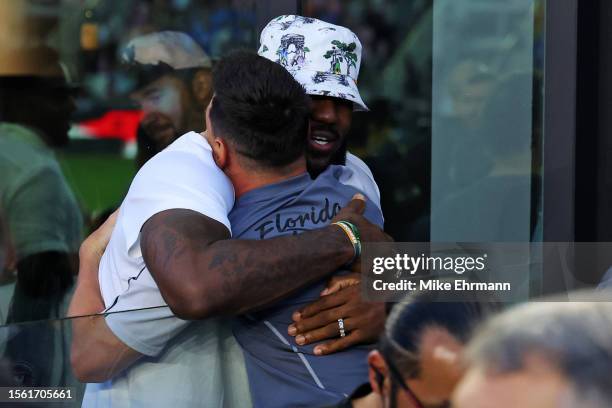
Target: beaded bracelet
352 232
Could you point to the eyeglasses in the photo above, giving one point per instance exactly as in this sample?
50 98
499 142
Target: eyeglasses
397 377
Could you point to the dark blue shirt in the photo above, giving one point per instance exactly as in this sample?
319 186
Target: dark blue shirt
282 373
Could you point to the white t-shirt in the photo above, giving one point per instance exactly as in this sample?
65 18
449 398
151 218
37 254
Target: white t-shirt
185 363
184 176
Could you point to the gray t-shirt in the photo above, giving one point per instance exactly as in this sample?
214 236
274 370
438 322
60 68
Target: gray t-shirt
40 209
282 373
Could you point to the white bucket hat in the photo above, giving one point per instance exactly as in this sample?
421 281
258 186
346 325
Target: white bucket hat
323 57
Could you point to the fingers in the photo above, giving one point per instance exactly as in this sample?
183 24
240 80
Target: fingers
330 331
336 345
112 219
324 303
322 319
357 204
338 283
107 227
103 234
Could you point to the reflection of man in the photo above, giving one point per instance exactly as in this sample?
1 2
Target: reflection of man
42 215
174 75
257 140
418 361
542 354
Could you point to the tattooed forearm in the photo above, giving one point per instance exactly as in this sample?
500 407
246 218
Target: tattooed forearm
202 273
254 273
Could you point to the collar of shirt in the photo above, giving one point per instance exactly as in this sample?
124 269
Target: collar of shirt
297 183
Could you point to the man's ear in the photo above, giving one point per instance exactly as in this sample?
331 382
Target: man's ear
201 86
377 371
220 152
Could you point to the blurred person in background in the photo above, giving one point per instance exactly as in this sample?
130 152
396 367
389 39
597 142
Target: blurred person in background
418 361
173 76
470 86
41 212
174 87
542 354
510 143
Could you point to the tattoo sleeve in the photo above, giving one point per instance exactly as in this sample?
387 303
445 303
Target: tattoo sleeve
202 273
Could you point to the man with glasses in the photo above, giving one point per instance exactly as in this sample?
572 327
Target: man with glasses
417 362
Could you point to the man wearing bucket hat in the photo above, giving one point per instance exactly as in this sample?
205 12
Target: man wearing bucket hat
173 75
325 59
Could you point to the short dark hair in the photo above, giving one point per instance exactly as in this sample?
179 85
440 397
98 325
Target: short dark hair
421 310
260 108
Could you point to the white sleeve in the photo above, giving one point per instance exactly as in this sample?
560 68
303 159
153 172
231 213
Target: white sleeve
146 330
361 178
172 180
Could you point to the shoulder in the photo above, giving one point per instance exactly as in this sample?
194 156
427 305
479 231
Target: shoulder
334 185
357 174
183 176
355 163
21 160
185 166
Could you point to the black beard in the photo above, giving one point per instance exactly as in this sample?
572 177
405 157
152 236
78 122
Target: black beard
316 164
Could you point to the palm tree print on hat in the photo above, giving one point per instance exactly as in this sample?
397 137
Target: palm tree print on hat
328 77
340 53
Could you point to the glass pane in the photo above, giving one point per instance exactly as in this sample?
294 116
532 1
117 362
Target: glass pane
486 138
454 134
77 120
37 354
202 365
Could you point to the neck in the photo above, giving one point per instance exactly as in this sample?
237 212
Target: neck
371 400
245 179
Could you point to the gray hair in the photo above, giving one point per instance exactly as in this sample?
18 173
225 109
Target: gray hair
574 337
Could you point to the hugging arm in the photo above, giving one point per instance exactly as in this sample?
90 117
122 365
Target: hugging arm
96 354
202 273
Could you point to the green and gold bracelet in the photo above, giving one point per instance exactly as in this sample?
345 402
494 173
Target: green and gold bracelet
352 232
